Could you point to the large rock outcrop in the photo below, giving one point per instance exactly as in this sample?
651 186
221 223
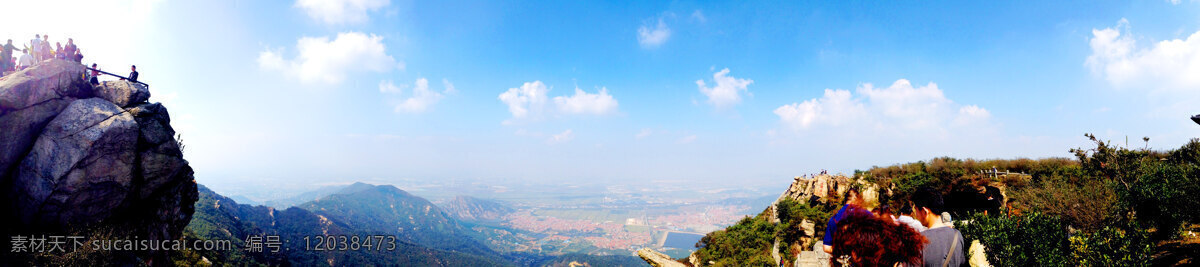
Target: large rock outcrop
74 156
29 99
829 189
80 167
123 93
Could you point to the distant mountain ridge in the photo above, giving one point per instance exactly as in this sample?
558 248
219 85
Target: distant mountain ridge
475 209
221 218
385 208
428 236
319 193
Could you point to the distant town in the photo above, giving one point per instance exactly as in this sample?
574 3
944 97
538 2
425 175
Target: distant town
595 219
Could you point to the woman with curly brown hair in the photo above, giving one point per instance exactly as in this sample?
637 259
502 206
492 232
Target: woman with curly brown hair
865 241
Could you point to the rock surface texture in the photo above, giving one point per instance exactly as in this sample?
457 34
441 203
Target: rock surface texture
829 189
74 156
657 259
123 93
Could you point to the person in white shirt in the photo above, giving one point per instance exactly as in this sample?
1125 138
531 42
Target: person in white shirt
906 218
25 61
36 45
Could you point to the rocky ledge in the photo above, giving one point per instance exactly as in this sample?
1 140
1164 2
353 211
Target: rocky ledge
75 156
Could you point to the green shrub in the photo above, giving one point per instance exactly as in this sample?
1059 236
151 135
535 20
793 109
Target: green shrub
906 185
1032 239
1153 188
791 213
1087 207
748 241
1112 246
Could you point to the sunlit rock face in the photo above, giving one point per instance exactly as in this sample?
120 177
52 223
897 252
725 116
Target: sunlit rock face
74 156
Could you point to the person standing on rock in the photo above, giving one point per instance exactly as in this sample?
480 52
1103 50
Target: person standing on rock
25 61
58 52
945 247
133 75
95 80
36 45
854 206
6 56
70 49
47 51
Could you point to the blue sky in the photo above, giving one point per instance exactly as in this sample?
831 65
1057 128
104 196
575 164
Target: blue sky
303 93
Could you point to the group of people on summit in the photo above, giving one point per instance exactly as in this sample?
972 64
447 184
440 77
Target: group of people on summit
922 235
39 50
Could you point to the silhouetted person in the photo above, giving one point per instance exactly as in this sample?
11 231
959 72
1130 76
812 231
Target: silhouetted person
70 50
989 199
6 56
133 75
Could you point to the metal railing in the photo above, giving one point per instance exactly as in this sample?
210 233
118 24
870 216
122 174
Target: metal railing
115 75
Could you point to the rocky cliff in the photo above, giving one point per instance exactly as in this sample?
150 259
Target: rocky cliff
75 157
474 209
827 189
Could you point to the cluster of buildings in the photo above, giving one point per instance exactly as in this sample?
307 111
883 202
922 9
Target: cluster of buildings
710 219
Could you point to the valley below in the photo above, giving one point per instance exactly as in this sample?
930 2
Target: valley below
530 224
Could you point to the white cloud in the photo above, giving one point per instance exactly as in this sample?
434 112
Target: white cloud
727 91
686 139
970 114
340 11
529 102
600 103
563 137
834 108
644 133
388 87
654 37
699 16
320 60
1170 65
916 107
529 99
898 107
422 98
449 87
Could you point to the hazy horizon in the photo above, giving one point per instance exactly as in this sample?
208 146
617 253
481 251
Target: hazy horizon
283 95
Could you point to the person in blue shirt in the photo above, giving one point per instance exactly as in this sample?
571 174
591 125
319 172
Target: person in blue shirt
853 205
